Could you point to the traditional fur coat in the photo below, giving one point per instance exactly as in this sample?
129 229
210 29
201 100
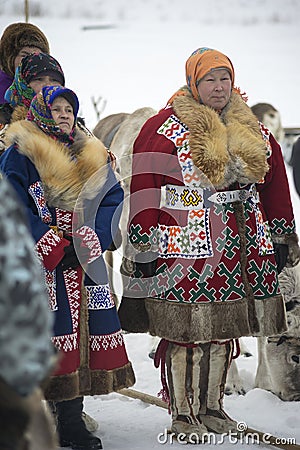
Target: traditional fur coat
73 190
209 194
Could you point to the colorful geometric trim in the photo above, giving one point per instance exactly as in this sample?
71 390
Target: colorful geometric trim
37 193
184 197
166 280
50 279
72 278
264 286
66 343
106 342
264 239
99 297
64 219
266 135
138 238
281 226
90 240
175 131
46 244
193 240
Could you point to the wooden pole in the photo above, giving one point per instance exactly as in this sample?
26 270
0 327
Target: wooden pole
147 398
26 8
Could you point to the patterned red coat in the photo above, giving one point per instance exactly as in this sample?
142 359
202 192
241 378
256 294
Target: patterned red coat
209 193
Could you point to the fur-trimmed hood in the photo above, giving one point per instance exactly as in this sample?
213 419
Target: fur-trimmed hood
228 147
64 171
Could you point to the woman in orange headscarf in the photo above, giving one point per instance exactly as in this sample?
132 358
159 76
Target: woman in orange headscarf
211 226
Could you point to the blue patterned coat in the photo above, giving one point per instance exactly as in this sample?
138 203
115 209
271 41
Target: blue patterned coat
73 190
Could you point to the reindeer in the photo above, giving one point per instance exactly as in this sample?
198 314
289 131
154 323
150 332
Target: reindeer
118 133
270 117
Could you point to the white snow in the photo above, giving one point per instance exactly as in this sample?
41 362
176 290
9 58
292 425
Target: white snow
137 59
126 423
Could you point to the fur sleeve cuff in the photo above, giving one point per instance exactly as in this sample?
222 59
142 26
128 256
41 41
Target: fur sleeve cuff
291 240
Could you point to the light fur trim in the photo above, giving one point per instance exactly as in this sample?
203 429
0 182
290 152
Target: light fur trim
19 113
227 147
207 137
203 322
100 382
244 139
63 178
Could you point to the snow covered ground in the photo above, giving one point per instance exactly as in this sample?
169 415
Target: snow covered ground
129 424
137 59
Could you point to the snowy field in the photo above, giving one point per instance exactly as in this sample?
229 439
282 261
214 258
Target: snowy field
137 54
129 424
133 55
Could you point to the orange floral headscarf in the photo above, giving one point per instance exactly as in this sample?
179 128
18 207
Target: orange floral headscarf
202 61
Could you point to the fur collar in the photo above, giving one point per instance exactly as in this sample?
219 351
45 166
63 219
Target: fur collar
63 177
227 147
19 113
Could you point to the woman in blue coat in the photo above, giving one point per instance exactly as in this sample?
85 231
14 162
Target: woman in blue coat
73 202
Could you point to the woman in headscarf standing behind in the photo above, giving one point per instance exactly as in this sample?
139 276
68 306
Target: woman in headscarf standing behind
17 41
52 166
208 251
33 73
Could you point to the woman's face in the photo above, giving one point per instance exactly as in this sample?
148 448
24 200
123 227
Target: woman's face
25 51
40 81
62 113
215 89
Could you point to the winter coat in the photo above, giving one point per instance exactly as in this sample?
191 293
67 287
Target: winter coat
18 113
51 179
209 194
5 82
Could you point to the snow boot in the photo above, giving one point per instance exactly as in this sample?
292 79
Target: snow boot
183 372
215 361
90 423
71 428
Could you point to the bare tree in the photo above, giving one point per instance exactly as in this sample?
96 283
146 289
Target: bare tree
99 109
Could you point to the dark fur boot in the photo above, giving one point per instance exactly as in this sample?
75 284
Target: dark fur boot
71 428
